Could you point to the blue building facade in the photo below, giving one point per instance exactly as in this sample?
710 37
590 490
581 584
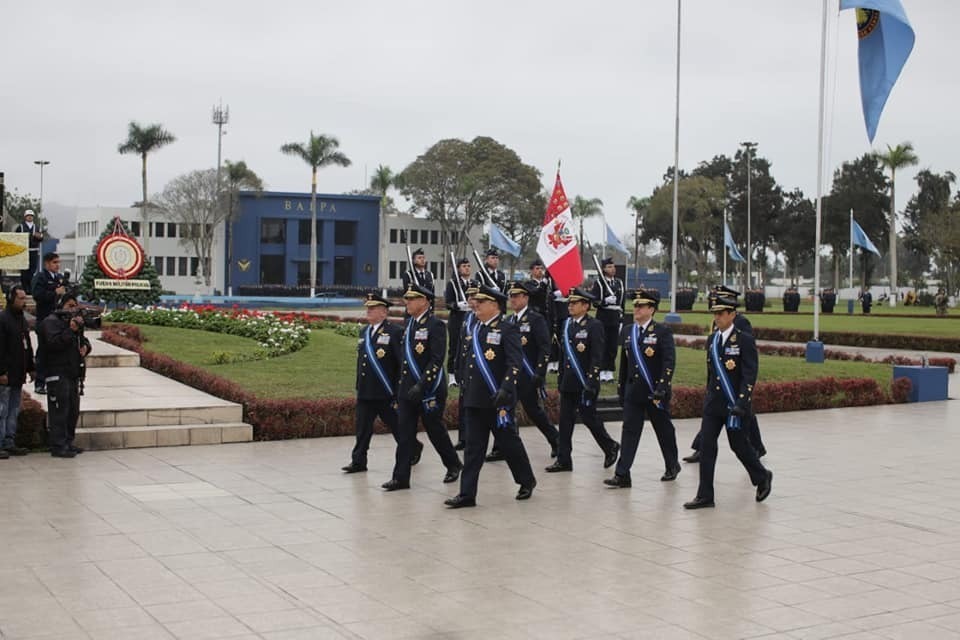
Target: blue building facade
271 240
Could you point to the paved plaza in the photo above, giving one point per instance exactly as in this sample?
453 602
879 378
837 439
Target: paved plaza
859 539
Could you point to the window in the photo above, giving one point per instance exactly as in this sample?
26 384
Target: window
158 265
134 227
303 232
344 233
158 228
393 237
171 266
403 236
171 229
414 236
434 237
343 270
271 270
272 232
194 265
393 269
182 266
303 273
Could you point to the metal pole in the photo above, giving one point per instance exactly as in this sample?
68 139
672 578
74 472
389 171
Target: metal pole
852 293
220 117
724 244
673 317
816 247
41 164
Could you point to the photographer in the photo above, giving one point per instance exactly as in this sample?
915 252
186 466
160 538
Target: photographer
64 346
47 286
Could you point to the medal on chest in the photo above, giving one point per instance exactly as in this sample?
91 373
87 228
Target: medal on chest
490 354
581 347
420 348
381 353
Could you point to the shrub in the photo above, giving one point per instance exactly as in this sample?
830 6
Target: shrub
31 424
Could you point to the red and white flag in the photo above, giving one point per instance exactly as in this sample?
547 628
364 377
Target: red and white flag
557 246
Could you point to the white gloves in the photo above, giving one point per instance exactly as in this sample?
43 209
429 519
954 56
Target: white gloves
610 300
558 295
463 306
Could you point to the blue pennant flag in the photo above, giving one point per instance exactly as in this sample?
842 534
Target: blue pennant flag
886 40
859 239
614 241
500 240
735 254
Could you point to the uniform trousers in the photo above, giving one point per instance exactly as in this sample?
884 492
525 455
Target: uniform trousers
633 415
710 428
611 337
63 411
753 436
569 408
367 412
506 440
406 433
530 401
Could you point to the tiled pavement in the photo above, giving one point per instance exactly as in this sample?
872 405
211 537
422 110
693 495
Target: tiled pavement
859 539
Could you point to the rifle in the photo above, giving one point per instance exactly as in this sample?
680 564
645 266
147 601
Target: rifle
482 273
461 296
601 277
410 268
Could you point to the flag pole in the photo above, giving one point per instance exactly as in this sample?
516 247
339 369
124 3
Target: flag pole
724 247
673 316
852 294
815 347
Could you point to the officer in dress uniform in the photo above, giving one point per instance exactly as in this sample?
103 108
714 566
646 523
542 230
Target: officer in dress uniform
490 395
741 322
732 365
460 363
455 296
421 392
420 276
608 289
379 356
491 264
559 315
579 382
647 361
542 296
34 238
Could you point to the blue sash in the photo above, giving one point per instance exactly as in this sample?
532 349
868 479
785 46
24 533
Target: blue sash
572 359
733 422
429 396
641 364
504 414
375 362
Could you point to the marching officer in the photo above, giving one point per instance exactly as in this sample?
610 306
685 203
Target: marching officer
455 296
489 393
732 364
460 364
608 289
647 361
379 357
421 392
582 350
421 276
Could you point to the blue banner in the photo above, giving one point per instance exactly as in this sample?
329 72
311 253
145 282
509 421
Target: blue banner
614 241
500 240
859 239
735 254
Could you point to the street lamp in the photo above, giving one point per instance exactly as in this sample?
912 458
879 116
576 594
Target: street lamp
749 147
221 116
41 164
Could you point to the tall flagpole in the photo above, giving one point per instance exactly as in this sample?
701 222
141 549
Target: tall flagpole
724 247
815 347
673 316
852 294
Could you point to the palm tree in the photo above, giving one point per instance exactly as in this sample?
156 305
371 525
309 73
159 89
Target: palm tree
319 151
895 158
143 140
583 208
238 177
639 206
381 181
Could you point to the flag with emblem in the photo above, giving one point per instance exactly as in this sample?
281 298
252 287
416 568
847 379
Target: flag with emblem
886 40
557 246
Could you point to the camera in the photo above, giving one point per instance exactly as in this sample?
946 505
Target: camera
90 316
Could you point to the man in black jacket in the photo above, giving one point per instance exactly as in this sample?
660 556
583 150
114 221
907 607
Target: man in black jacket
489 394
64 345
455 297
16 363
35 237
647 361
47 287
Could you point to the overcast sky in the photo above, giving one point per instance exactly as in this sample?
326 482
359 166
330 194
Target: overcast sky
591 83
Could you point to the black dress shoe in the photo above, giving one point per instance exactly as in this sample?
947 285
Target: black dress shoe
699 503
619 482
610 458
459 502
452 474
670 475
417 452
693 457
17 451
4 455
761 452
76 449
763 489
526 491
460 446
395 485
558 466
62 453
495 455
353 467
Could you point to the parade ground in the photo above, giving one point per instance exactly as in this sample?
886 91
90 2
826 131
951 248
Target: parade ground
270 540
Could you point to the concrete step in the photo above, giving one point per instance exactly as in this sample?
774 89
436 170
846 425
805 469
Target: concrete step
165 435
96 415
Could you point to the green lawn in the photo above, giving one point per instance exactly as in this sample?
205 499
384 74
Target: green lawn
327 366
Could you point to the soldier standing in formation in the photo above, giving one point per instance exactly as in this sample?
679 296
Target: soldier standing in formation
421 392
582 348
491 264
489 394
647 361
608 289
420 276
457 309
732 364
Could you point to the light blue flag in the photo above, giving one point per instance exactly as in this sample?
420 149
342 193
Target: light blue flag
886 40
735 254
500 240
860 239
614 241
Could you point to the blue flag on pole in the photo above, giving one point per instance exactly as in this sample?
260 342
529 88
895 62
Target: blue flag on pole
886 40
860 239
500 240
735 254
614 241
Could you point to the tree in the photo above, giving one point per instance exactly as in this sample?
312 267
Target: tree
381 181
796 232
14 205
583 208
143 140
895 158
319 151
931 230
639 206
239 177
92 272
